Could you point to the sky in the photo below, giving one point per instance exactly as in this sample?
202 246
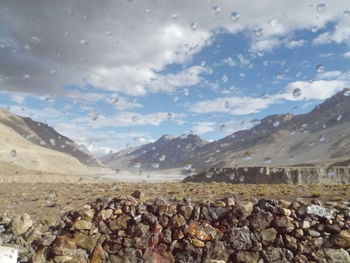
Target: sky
111 74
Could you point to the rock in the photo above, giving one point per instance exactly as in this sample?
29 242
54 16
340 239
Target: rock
158 254
202 232
80 256
120 222
285 224
247 257
277 255
106 214
178 220
337 255
285 211
342 239
261 220
219 203
98 256
320 211
305 224
268 235
64 246
186 211
240 238
290 242
197 243
300 258
178 234
82 225
21 223
317 242
243 209
284 203
313 233
86 242
137 194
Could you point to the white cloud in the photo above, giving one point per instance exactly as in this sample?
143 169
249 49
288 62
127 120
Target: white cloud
329 74
340 34
204 127
232 105
347 54
294 43
18 99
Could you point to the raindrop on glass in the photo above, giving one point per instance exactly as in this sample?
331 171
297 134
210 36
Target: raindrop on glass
247 156
174 16
162 157
321 7
108 33
258 31
339 117
235 16
320 68
13 153
216 10
27 47
227 104
331 172
296 92
135 118
84 42
276 124
346 92
346 12
155 165
241 178
194 26
26 76
136 164
312 144
187 166
52 141
267 160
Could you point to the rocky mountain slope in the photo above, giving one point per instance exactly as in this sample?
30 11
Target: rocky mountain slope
165 153
45 136
320 137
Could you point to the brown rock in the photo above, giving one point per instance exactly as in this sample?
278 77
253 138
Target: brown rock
64 246
98 256
268 235
82 225
86 242
178 220
106 214
342 239
244 209
137 194
197 243
202 232
120 222
248 257
21 223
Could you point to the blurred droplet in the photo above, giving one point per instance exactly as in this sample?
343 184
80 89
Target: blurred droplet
346 13
321 7
241 178
174 16
227 104
258 31
108 33
320 68
84 42
331 172
187 166
267 160
296 92
26 76
13 153
232 177
247 156
162 157
314 29
246 169
52 196
52 141
66 34
147 11
276 124
135 118
155 165
53 72
322 139
27 47
312 144
194 26
346 92
216 10
235 16
136 164
339 117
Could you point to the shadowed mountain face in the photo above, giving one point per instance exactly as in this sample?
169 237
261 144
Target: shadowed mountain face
45 136
320 137
165 153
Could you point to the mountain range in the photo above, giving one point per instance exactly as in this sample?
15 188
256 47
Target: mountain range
320 137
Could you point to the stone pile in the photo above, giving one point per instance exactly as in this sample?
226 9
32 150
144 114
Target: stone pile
160 231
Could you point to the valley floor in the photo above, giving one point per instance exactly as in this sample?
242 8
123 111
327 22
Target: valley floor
46 201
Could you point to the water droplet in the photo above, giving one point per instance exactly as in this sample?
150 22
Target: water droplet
339 117
321 7
108 33
84 42
147 11
320 68
276 124
13 153
162 157
53 72
322 139
296 92
135 118
174 16
209 160
235 16
209 175
194 26
346 13
241 178
66 34
247 156
26 76
227 104
258 31
267 160
187 166
346 92
246 169
136 164
27 47
52 196
314 29
312 144
216 10
232 177
331 172
155 165
52 141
